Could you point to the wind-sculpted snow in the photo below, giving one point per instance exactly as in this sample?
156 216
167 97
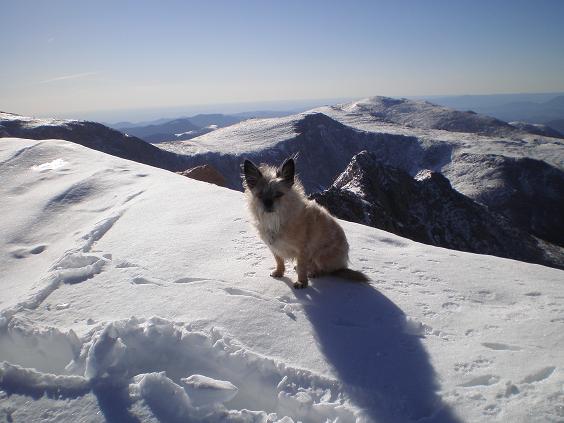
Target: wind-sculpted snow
436 335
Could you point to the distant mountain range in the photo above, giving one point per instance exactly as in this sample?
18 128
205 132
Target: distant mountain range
545 109
180 129
186 128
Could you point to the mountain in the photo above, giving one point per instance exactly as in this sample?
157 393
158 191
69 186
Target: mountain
527 191
427 209
314 135
537 128
134 294
181 129
482 167
215 119
557 124
162 132
89 134
426 115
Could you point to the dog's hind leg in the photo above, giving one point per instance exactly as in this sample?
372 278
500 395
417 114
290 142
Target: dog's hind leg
301 268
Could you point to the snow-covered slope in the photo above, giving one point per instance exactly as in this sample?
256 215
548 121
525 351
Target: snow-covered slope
133 294
90 134
537 128
425 115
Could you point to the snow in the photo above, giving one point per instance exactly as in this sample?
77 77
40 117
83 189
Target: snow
206 390
130 293
420 116
32 122
239 138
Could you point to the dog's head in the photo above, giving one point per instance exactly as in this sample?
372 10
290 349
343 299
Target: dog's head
267 184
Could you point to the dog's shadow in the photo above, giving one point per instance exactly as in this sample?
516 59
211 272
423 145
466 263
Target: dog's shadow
384 370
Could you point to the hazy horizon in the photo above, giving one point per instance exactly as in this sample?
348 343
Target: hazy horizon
134 58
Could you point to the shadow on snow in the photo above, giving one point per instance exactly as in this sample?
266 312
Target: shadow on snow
384 371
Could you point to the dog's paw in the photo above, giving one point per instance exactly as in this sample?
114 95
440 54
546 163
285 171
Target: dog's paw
277 274
300 285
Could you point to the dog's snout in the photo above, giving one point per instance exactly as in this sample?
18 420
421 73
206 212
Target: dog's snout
268 203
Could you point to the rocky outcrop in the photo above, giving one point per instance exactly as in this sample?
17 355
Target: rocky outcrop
205 173
427 209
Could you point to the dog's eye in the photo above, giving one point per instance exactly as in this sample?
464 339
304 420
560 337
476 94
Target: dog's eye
278 194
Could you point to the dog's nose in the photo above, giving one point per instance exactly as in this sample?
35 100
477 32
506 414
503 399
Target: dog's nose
268 203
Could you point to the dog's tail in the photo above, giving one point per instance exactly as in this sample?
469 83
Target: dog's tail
353 275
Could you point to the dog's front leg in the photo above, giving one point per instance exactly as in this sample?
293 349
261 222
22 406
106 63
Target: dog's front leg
301 268
279 271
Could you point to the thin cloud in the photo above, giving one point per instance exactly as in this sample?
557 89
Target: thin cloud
66 77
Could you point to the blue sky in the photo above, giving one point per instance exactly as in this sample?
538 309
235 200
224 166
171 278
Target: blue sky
61 57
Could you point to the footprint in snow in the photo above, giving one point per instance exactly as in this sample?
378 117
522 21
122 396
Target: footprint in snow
539 375
243 293
190 280
500 347
485 380
24 252
143 281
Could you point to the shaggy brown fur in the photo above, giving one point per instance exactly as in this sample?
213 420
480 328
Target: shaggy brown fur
294 227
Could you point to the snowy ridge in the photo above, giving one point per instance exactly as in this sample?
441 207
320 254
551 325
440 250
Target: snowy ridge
239 138
425 115
436 335
90 134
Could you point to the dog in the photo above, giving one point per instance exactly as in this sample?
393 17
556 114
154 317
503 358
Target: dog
294 227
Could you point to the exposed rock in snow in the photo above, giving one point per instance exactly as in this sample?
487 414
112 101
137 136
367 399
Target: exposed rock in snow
427 209
205 173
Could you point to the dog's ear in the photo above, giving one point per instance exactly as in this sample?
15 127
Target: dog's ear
250 174
286 171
